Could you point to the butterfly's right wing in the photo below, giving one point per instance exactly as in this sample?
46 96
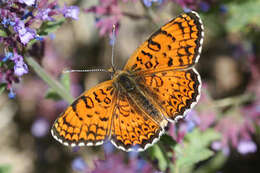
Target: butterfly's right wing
176 45
175 91
87 121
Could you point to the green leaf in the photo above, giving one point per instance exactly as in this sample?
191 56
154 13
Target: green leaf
65 81
194 149
53 95
3 33
167 140
48 27
243 14
213 165
157 154
2 87
5 168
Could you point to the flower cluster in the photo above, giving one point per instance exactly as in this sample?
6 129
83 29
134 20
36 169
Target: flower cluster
114 163
236 126
19 22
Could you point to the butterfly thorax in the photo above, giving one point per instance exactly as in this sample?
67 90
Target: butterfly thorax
126 84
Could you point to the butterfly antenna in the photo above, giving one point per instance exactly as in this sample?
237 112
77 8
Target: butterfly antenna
87 70
113 41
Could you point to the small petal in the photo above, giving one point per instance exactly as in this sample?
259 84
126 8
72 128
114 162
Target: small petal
40 127
28 2
20 69
79 164
11 94
71 12
8 55
245 147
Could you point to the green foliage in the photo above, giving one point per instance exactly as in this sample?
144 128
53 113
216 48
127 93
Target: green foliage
156 153
194 149
65 81
3 33
5 168
2 87
213 165
49 27
242 14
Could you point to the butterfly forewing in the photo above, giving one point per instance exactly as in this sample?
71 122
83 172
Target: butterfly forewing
87 121
176 45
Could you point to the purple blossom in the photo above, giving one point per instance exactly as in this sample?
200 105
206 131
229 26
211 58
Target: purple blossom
27 2
21 19
204 6
45 14
108 14
78 164
25 34
246 146
217 145
148 3
115 163
20 68
71 12
40 127
185 126
11 94
190 4
8 55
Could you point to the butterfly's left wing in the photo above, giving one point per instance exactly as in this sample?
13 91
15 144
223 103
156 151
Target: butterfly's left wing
87 121
176 45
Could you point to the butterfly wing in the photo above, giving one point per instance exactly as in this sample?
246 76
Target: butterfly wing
175 91
176 45
132 129
87 121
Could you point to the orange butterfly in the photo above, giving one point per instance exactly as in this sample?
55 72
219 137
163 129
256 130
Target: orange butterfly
157 85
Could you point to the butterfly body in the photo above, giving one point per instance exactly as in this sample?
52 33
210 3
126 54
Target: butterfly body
159 84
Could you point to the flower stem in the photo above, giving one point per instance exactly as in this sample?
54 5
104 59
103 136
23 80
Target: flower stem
54 84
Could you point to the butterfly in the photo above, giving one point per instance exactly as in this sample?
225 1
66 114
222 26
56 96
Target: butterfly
158 84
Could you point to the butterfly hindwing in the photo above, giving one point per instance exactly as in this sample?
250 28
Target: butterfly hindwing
175 91
132 130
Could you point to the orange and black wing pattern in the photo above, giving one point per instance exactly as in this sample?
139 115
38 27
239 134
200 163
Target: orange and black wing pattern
132 130
87 121
176 45
175 91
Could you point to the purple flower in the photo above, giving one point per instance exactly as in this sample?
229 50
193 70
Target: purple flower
44 14
25 34
20 68
190 4
148 3
27 2
71 12
204 6
8 55
40 127
217 145
78 164
246 146
107 14
11 94
207 118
